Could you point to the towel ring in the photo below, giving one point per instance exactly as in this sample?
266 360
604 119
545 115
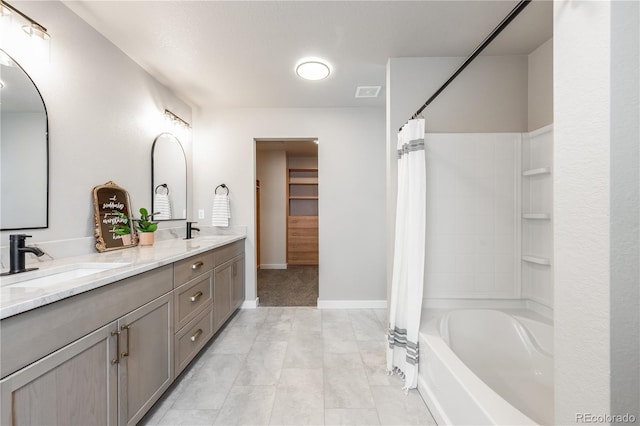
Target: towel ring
162 185
223 186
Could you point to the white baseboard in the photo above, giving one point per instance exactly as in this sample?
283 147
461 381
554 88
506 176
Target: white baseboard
273 266
352 304
250 304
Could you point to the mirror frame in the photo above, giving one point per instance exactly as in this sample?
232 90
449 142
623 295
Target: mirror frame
154 185
46 118
104 239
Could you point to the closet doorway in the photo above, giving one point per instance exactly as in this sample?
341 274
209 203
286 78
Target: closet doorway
287 222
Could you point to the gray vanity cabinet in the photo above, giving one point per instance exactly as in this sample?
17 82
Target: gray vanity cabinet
221 295
228 282
76 385
237 282
145 368
104 357
110 376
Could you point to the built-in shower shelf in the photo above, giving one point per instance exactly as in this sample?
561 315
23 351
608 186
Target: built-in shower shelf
536 216
534 172
536 259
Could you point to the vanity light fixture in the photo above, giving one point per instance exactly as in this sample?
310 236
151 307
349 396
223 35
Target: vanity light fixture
313 69
175 119
33 29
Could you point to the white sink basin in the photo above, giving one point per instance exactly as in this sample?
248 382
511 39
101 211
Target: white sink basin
51 277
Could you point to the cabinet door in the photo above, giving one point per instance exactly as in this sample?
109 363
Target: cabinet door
222 294
146 357
237 282
76 385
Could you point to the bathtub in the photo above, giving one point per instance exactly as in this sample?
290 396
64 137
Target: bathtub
487 367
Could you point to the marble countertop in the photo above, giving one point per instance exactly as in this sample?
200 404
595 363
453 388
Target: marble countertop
16 297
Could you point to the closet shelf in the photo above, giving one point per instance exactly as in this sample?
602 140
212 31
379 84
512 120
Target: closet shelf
534 172
536 259
539 216
303 181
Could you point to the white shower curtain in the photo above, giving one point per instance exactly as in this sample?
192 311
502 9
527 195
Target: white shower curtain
408 261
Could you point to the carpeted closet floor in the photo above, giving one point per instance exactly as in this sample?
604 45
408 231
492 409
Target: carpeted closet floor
295 286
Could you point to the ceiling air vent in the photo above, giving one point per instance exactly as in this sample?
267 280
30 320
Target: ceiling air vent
367 91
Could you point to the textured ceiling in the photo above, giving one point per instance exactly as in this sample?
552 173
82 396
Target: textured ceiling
243 53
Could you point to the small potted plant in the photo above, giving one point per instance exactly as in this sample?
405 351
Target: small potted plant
145 227
122 228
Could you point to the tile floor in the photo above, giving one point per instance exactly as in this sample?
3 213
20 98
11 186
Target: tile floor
293 366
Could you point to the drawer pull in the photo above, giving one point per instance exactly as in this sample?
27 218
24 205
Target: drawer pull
197 265
196 296
126 327
195 335
117 334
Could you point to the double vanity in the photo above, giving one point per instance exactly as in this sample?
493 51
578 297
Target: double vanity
99 338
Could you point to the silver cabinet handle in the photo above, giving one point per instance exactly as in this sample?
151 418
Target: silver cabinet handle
197 265
195 335
196 296
126 327
117 360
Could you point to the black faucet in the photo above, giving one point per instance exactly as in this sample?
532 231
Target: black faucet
189 229
17 251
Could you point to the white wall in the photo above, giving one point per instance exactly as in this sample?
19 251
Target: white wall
351 186
472 216
104 113
271 170
581 180
540 86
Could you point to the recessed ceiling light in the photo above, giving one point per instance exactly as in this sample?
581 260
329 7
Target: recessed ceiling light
313 69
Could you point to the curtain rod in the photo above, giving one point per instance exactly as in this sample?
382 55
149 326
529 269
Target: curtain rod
497 30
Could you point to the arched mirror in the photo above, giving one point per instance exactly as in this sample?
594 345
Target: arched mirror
24 150
168 178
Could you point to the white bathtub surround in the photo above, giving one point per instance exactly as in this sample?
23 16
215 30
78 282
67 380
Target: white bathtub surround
473 216
408 264
488 367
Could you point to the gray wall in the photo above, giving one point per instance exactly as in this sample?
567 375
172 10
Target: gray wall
351 186
271 169
104 113
490 96
540 86
625 213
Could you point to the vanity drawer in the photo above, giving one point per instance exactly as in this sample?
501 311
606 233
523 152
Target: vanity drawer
187 269
228 252
192 338
189 298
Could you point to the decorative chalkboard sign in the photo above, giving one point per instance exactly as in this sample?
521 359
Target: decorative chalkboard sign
112 214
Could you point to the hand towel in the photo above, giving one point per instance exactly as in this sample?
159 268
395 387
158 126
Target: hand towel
162 207
221 212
